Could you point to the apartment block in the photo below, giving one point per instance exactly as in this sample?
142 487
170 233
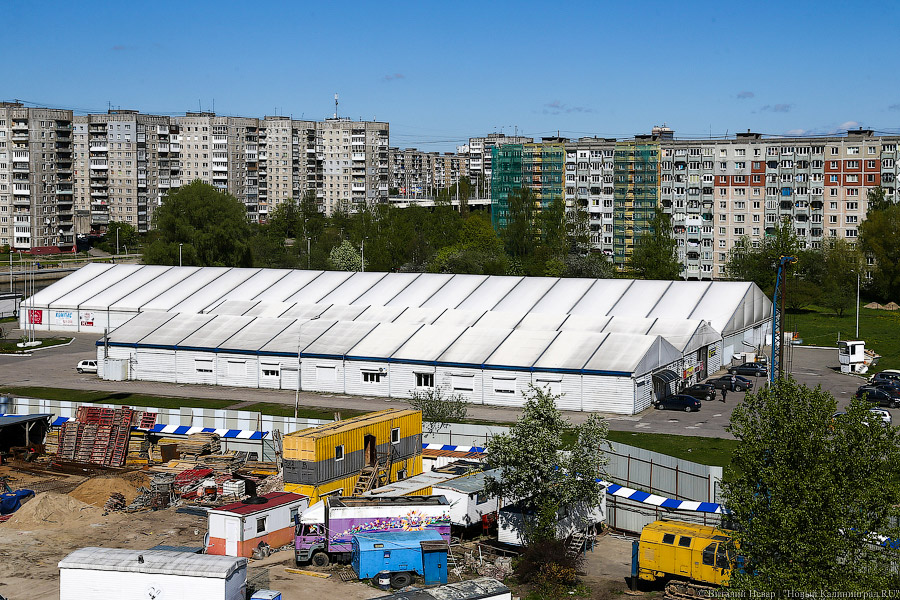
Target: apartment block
285 161
717 191
355 163
539 167
480 154
36 179
125 163
415 173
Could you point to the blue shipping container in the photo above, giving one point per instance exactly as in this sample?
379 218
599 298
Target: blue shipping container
420 552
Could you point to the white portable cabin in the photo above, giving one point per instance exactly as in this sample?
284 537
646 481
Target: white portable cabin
578 516
119 574
467 498
237 529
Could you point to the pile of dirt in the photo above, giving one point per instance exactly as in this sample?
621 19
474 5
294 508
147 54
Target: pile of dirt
97 490
50 510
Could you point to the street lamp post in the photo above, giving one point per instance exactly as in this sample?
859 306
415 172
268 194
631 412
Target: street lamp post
299 365
857 304
117 240
179 254
362 256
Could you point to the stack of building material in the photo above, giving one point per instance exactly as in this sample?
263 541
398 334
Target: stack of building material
51 442
98 435
199 444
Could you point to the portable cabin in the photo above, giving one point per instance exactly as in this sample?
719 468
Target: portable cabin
329 459
420 552
236 529
115 573
577 516
421 484
467 498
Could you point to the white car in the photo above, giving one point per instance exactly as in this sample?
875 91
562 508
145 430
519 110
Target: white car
87 366
882 414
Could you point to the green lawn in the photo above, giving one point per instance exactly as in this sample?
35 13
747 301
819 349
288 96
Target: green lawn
306 412
707 451
10 347
880 329
113 398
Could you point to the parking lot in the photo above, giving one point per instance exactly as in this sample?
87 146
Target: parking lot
55 367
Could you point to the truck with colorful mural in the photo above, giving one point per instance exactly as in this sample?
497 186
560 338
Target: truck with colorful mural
324 532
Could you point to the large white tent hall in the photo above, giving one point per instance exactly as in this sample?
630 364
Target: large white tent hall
595 371
478 335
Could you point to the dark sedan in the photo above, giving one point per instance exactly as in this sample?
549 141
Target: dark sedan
754 369
700 391
679 402
882 396
725 382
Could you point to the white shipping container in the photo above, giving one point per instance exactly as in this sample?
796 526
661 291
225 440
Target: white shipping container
118 574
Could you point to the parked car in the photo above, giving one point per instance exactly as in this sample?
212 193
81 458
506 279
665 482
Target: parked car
87 366
886 376
679 402
755 369
725 382
701 391
882 414
882 396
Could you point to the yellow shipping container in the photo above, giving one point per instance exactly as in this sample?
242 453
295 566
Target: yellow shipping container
325 459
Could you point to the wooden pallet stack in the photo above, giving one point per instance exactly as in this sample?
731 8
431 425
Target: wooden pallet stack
70 433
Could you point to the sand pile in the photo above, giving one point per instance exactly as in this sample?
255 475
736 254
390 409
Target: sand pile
52 510
97 490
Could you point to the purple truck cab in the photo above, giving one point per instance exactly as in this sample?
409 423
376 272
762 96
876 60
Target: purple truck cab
325 530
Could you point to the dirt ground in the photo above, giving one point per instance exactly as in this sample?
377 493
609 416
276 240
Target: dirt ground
68 514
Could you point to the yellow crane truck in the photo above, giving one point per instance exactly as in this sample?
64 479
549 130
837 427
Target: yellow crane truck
693 558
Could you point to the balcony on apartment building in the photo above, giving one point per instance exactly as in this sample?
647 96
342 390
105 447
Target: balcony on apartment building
99 165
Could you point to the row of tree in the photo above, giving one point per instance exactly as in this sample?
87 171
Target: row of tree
827 275
199 225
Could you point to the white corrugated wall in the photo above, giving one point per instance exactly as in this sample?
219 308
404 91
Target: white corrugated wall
714 354
193 366
403 379
607 393
154 365
323 375
239 370
504 388
643 392
461 381
367 378
566 384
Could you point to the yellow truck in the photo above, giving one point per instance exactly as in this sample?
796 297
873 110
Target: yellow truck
693 558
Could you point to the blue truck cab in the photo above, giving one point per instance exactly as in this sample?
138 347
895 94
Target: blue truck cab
402 553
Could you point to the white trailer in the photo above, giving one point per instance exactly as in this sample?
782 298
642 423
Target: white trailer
576 517
119 574
467 498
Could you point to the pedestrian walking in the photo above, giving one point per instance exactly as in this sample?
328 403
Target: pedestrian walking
724 393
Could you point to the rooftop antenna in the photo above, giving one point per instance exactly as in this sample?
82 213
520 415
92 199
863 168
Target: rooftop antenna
335 106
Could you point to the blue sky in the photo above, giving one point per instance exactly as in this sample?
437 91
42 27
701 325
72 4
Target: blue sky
440 72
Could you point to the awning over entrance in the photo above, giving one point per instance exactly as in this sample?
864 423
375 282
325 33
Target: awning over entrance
664 383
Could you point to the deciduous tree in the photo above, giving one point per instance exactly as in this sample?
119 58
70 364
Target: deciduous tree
879 240
439 409
210 226
810 493
655 254
542 472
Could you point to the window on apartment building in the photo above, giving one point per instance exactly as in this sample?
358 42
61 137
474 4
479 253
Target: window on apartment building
832 218
850 233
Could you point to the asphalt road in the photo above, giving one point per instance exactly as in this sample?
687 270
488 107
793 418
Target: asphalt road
55 367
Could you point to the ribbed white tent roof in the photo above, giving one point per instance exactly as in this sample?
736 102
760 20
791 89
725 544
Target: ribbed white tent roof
451 345
728 307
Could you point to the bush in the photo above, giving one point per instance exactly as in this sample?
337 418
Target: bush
546 563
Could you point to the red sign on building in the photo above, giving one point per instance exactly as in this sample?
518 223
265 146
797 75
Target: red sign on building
35 317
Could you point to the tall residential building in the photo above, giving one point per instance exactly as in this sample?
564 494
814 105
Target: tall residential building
36 178
717 191
539 167
480 155
415 173
125 163
355 163
285 161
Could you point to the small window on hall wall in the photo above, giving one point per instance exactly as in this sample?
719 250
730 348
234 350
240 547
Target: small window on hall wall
425 380
395 435
338 453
